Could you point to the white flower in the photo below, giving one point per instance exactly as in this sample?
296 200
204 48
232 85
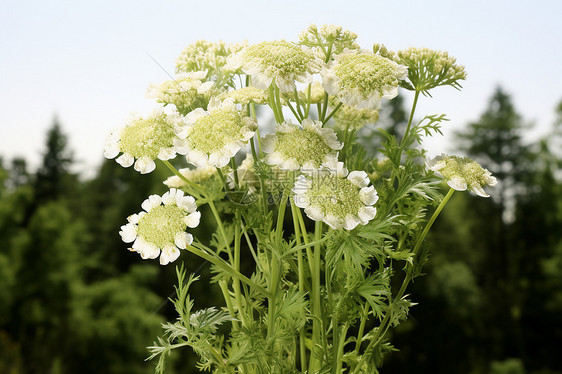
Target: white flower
160 228
245 95
213 137
328 38
184 91
276 61
145 140
352 118
462 173
205 55
362 78
198 175
296 148
336 197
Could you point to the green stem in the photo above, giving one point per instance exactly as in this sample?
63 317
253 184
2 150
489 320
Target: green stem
221 229
220 263
324 108
316 302
235 282
332 113
301 276
278 103
194 186
273 104
407 133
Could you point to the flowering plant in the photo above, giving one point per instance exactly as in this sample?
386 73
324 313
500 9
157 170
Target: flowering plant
325 228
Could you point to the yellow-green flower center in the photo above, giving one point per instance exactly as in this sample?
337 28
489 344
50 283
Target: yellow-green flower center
161 224
303 145
147 136
219 128
281 57
367 73
465 168
337 196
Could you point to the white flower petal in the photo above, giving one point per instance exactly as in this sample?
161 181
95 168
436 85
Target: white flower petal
350 222
134 218
125 160
152 202
169 197
194 115
128 232
186 203
169 254
261 80
145 165
359 178
167 153
192 220
112 147
301 201
368 195
314 212
479 190
457 183
181 239
204 87
197 158
333 221
366 214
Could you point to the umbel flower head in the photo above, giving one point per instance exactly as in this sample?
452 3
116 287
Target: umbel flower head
160 228
316 92
462 173
145 140
362 78
279 61
205 55
428 69
212 137
328 40
198 176
184 91
353 118
336 197
306 148
245 96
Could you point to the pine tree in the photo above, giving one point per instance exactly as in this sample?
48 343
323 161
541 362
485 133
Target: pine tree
53 178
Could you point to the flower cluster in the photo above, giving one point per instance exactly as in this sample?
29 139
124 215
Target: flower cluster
296 148
184 91
278 62
245 96
462 173
336 197
362 79
428 69
352 118
160 229
145 140
205 55
212 137
328 40
197 176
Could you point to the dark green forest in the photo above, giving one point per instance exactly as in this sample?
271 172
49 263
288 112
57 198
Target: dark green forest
74 300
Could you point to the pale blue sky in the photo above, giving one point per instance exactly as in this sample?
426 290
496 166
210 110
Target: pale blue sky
88 62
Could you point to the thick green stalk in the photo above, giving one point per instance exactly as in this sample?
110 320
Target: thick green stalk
300 265
315 363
